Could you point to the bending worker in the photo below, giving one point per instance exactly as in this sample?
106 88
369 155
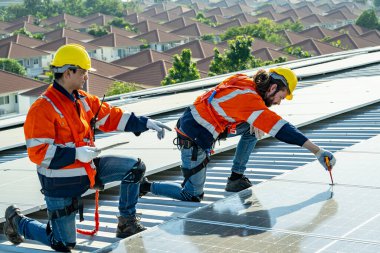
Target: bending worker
59 131
237 106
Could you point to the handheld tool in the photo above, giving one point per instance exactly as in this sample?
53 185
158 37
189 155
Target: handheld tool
327 160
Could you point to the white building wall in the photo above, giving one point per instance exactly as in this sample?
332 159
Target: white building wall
24 103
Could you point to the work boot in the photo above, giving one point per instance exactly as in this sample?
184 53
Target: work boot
144 186
128 226
13 216
238 184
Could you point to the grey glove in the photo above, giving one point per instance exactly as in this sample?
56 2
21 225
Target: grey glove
158 127
321 154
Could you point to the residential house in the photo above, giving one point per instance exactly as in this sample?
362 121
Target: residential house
115 46
319 33
33 60
229 24
121 31
352 29
101 20
270 15
217 19
147 26
22 40
196 30
269 54
134 18
61 18
224 12
108 69
29 27
341 17
160 40
291 37
52 46
179 22
245 18
70 25
318 20
199 49
65 32
240 8
347 41
373 36
142 58
315 47
189 14
11 87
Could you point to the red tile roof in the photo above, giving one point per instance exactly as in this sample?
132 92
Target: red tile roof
11 82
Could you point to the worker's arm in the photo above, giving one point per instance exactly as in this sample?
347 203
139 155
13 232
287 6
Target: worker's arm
290 134
40 133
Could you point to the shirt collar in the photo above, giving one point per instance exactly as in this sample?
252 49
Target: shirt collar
63 91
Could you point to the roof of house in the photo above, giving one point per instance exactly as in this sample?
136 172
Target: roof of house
99 84
65 32
325 7
60 18
121 31
340 15
53 46
157 36
373 36
306 10
148 25
352 42
270 15
352 29
245 18
196 30
292 37
22 40
115 40
134 18
224 12
218 19
11 82
149 12
4 25
229 24
106 68
316 47
199 49
318 33
240 8
68 24
17 51
189 14
29 27
157 72
179 22
269 54
143 58
99 20
204 64
316 18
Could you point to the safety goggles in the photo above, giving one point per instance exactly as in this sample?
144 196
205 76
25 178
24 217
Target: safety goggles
66 67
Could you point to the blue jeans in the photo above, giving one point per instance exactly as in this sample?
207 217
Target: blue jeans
110 168
194 186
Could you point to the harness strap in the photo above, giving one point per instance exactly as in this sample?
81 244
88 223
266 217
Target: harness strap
187 173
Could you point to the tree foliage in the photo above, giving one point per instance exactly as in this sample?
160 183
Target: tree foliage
184 69
368 19
121 88
200 17
298 51
217 66
11 65
97 30
122 23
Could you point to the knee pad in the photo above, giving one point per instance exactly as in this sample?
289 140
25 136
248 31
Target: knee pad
60 246
136 174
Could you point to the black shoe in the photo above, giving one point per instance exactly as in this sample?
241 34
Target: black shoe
238 184
13 216
144 186
128 226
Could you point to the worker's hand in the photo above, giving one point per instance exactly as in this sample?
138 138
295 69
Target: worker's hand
258 133
86 153
158 127
321 154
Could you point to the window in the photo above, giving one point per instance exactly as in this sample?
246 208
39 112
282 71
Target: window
16 99
35 61
4 100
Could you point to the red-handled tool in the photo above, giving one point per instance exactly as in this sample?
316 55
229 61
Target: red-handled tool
327 161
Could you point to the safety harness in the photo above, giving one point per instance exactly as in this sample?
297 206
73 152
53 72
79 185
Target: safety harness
76 203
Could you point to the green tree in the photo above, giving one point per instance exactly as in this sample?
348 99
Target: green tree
184 69
121 88
97 30
239 55
368 19
200 17
110 7
298 51
217 66
74 7
23 31
11 65
122 23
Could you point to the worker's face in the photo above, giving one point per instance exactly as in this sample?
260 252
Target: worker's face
78 78
274 98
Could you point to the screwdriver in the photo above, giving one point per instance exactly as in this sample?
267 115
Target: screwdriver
327 161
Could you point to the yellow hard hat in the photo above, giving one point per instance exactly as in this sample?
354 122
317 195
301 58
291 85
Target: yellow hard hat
289 76
71 55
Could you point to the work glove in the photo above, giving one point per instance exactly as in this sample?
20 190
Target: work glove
158 127
86 153
321 154
258 133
